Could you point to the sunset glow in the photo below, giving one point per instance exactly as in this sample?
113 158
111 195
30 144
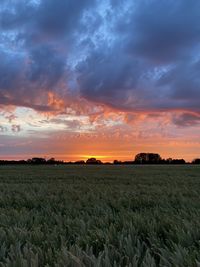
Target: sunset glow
104 79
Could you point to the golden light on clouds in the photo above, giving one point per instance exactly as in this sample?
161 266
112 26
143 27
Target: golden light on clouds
73 137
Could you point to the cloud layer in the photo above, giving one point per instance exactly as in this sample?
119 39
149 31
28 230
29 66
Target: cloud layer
130 55
122 66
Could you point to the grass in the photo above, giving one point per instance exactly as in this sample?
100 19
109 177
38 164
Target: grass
100 216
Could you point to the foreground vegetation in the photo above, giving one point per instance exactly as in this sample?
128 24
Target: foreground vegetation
100 216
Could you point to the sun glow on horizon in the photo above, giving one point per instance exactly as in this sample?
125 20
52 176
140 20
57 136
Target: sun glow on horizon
94 156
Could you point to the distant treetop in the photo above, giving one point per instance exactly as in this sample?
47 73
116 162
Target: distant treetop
148 158
93 161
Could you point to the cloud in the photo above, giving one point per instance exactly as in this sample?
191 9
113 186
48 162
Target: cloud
46 66
72 125
16 128
46 17
187 119
152 64
182 83
11 68
107 79
163 31
11 117
36 41
3 129
131 56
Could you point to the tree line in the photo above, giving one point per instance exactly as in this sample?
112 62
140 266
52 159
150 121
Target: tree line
141 158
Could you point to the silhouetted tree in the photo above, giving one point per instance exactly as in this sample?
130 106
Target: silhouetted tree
38 161
93 161
149 158
168 161
117 162
51 161
79 162
178 161
196 161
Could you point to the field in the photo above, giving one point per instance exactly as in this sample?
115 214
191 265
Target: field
100 216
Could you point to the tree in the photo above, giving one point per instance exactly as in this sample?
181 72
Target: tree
93 161
148 158
51 161
38 161
117 162
79 162
178 161
196 161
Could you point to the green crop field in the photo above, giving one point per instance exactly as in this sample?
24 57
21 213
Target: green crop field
100 216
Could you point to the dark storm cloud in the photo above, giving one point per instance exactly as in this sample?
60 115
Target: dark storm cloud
131 55
152 64
164 31
35 41
104 77
23 81
183 84
16 14
11 66
45 17
46 66
60 17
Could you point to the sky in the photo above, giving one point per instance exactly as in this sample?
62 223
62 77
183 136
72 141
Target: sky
103 78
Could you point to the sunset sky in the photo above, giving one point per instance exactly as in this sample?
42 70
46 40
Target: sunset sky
103 78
